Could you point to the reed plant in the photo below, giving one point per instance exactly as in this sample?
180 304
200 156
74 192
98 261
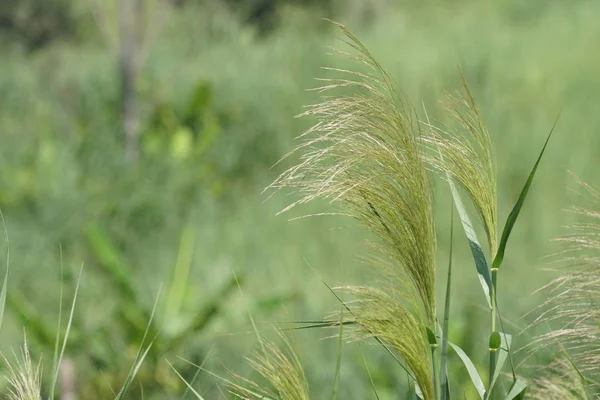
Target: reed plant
375 159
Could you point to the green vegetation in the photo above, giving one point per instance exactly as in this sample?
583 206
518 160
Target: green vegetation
216 95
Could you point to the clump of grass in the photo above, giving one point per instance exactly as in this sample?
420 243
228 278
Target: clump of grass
23 376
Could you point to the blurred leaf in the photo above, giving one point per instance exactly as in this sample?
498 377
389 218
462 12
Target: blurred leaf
181 274
181 143
108 258
129 309
28 316
200 101
205 315
5 282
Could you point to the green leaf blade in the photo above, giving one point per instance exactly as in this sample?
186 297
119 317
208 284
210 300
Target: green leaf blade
473 374
514 214
517 391
483 272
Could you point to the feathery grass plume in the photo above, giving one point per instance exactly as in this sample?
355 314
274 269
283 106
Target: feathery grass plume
380 314
364 155
560 381
574 297
23 376
363 152
467 157
280 368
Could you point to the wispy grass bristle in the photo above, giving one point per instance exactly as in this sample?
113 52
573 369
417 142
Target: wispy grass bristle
560 381
467 157
363 152
23 376
574 296
282 370
401 326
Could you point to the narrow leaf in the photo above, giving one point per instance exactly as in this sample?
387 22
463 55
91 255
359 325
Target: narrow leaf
181 274
189 386
3 296
64 344
483 272
514 214
5 283
370 376
109 259
517 390
55 365
141 355
473 374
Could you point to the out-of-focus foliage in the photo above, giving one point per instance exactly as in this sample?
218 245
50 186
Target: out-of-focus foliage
35 23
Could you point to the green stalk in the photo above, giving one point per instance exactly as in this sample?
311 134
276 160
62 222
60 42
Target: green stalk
435 372
493 349
444 356
434 345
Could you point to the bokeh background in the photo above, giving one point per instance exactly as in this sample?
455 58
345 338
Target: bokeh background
137 137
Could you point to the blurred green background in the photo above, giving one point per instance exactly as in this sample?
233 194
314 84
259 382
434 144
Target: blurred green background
137 137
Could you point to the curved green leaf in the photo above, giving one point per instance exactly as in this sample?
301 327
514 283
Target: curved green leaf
483 272
473 374
517 390
514 214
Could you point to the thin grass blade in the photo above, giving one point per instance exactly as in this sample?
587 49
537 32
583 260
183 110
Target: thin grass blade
370 376
445 387
3 296
68 330
55 364
473 374
181 273
141 355
514 214
5 282
189 386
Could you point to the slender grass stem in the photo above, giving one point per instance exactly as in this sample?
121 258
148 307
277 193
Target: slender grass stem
493 351
436 387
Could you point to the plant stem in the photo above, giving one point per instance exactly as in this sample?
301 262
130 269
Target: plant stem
493 352
435 372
